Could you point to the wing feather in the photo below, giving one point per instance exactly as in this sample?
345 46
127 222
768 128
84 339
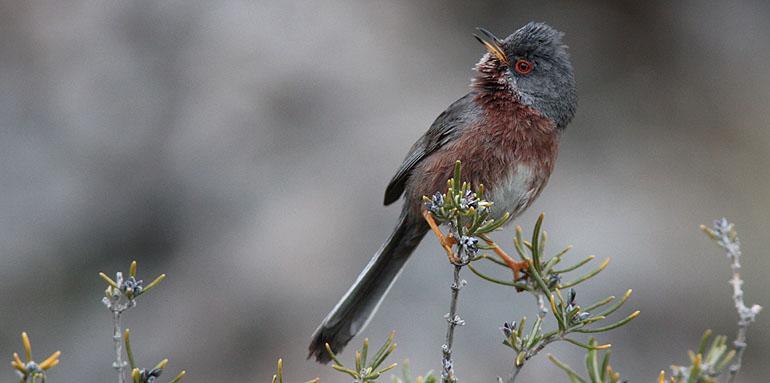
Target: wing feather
443 130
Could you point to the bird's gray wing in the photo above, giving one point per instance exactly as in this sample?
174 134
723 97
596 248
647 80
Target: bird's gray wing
443 130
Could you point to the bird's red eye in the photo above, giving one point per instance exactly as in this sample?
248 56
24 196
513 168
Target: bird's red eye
523 66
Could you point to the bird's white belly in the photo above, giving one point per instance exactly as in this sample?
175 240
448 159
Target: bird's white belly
515 191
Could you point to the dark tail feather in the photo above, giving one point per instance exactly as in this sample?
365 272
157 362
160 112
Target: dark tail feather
358 305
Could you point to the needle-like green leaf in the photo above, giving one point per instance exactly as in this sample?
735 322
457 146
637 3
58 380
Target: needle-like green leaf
611 326
575 266
572 374
586 276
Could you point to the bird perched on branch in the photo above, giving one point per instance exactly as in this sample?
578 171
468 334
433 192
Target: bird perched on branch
506 133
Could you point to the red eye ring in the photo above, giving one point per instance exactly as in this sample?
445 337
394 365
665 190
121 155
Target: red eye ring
523 66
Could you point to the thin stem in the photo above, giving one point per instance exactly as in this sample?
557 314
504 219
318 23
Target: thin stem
745 314
547 339
514 374
453 320
743 323
542 311
444 241
545 342
740 347
117 338
724 233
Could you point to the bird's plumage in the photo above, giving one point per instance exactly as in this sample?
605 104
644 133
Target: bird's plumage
355 309
506 133
443 130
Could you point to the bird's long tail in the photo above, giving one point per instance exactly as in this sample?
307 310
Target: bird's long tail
358 305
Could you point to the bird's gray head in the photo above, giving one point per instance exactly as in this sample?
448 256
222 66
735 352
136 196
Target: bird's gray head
533 63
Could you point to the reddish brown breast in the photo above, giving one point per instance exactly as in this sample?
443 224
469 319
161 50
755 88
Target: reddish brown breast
511 151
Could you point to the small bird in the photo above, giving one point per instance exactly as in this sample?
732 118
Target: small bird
506 133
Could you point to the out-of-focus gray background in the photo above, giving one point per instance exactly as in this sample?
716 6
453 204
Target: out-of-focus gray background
243 148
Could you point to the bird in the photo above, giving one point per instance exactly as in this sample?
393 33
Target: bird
505 131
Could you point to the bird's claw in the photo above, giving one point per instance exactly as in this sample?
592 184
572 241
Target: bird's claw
446 241
516 267
450 240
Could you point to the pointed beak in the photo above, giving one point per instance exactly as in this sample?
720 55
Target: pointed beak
493 45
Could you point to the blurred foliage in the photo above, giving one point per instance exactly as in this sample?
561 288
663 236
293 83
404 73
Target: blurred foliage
468 217
367 367
120 296
598 367
706 364
126 290
366 371
406 376
31 371
141 375
278 377
713 357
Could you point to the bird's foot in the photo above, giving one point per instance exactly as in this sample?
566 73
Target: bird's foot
519 267
446 241
515 266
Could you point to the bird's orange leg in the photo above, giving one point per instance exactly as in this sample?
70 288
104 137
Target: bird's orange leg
516 267
445 241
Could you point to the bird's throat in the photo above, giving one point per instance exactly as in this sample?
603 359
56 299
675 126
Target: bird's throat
491 83
491 77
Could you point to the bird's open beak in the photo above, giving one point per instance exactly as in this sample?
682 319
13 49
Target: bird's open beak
493 45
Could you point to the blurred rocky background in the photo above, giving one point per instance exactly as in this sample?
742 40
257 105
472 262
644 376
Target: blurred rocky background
243 147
